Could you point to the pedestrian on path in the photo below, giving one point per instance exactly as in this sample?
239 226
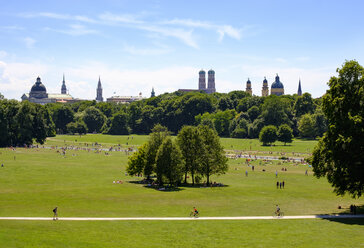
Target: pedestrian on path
276 173
55 213
283 184
246 173
277 184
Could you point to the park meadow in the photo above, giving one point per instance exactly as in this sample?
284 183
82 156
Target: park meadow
90 180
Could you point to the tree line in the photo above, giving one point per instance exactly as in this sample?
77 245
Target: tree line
196 152
235 114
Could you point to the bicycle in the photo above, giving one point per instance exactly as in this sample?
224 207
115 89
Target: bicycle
278 215
194 214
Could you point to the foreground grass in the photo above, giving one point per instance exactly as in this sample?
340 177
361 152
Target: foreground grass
34 181
81 184
261 233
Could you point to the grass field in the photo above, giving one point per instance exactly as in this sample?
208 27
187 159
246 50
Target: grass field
34 181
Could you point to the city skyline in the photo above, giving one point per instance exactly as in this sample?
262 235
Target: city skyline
138 45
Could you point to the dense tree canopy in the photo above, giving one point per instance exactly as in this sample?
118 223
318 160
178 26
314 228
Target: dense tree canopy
339 154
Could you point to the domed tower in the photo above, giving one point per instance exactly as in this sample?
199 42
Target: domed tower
63 89
211 81
99 97
299 92
202 80
249 87
265 89
277 87
38 90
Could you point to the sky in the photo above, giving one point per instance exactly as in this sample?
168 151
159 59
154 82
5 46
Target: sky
136 45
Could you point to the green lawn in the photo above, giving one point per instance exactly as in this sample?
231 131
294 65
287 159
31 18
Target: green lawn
81 184
262 233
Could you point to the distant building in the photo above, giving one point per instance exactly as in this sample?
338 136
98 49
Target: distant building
265 89
202 82
152 93
99 97
249 87
277 87
38 94
64 88
299 92
125 99
211 82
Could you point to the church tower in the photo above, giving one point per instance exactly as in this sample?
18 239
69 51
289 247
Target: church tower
299 92
277 87
202 80
211 82
63 89
153 93
265 89
99 92
249 87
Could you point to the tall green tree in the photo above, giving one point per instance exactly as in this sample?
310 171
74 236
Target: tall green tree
339 154
94 119
306 126
213 159
169 163
156 138
190 143
62 115
268 135
285 134
137 161
304 105
119 124
24 120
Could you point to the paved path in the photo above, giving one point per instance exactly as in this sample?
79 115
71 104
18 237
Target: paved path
187 218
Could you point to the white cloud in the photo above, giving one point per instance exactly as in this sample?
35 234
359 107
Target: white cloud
222 30
184 35
74 30
3 54
172 28
29 42
17 78
118 19
145 51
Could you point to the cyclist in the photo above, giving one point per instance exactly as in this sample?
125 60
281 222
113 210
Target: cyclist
195 211
278 210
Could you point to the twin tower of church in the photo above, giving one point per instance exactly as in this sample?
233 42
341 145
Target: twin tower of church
277 87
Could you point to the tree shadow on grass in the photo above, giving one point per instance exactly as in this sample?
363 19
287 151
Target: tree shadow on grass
348 217
149 184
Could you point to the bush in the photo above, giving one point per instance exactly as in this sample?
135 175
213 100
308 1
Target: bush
268 135
239 133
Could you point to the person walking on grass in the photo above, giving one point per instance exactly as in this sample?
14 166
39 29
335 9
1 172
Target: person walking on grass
55 213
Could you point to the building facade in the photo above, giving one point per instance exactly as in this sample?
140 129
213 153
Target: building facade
202 82
265 88
277 87
125 99
99 97
38 94
299 91
248 88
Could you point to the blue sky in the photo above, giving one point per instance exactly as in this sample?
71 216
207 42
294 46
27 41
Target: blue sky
136 45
